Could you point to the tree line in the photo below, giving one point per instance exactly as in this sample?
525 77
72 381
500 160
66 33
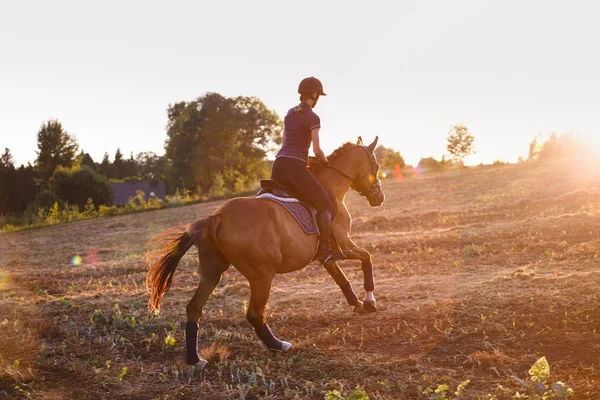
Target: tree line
460 144
214 144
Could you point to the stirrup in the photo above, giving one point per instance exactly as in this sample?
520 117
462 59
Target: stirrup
336 256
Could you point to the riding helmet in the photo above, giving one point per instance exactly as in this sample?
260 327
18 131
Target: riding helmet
311 85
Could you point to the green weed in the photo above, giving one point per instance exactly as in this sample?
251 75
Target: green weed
536 388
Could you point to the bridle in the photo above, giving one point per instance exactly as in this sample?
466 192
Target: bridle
367 192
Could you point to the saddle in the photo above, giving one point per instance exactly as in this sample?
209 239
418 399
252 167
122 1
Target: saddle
303 213
271 186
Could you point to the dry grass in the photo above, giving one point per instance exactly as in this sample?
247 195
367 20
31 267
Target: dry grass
478 274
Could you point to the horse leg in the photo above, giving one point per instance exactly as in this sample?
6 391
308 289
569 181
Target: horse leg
358 253
342 281
259 295
211 269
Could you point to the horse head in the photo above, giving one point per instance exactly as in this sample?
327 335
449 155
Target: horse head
366 181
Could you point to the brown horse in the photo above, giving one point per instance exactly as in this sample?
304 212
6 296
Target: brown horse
261 239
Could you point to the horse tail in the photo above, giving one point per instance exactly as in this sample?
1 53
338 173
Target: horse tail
165 252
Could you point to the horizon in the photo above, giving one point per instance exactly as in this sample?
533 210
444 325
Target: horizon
405 72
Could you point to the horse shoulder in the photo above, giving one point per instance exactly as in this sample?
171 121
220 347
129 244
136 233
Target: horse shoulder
343 218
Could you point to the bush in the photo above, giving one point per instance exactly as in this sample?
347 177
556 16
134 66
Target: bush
110 211
78 184
218 187
240 184
556 147
126 179
53 215
429 164
89 210
44 199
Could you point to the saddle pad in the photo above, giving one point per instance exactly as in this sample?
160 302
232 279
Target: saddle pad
277 198
302 214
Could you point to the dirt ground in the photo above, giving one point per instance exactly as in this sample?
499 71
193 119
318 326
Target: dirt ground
478 273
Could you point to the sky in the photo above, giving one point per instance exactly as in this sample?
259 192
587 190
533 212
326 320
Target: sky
403 70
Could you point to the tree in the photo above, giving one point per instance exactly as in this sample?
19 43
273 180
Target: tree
151 166
460 143
105 167
86 159
556 146
76 184
534 149
7 181
6 160
219 135
380 153
389 158
55 148
17 186
119 165
130 167
26 187
393 160
429 164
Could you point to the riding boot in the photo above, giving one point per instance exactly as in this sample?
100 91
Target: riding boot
326 255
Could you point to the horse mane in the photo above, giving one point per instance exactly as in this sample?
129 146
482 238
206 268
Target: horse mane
315 165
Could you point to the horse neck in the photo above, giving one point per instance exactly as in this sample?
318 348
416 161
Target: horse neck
336 182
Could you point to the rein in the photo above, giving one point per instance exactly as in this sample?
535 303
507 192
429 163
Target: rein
366 193
340 172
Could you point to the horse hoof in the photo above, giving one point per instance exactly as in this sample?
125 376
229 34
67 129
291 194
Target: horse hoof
370 305
196 369
359 308
285 346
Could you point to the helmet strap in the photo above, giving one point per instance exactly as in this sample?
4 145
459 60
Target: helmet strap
315 99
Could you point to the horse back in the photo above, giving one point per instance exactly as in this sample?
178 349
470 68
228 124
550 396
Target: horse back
259 235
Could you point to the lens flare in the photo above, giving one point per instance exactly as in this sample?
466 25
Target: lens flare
398 173
91 257
418 172
76 261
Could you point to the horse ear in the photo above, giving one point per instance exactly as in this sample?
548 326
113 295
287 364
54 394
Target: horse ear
372 145
360 143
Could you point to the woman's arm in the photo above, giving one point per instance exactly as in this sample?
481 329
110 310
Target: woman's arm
316 146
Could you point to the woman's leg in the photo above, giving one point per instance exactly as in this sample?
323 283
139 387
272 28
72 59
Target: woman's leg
294 176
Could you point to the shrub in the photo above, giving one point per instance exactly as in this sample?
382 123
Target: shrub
69 213
429 164
556 147
105 210
44 199
218 187
53 215
535 386
240 184
89 210
78 184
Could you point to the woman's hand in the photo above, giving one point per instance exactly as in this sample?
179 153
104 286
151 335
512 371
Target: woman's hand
316 146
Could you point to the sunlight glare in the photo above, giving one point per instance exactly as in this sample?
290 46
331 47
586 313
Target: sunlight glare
76 261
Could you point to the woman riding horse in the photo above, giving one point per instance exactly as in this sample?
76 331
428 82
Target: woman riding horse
260 238
301 127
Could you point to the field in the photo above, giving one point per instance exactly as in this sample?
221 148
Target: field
478 272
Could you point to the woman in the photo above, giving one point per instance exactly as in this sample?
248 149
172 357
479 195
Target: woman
301 128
